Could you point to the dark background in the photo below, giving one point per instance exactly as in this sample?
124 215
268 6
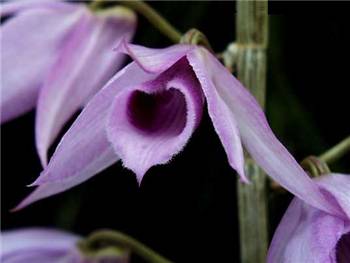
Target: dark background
187 210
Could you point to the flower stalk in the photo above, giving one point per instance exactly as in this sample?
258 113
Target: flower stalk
150 14
317 166
336 151
196 37
252 37
108 242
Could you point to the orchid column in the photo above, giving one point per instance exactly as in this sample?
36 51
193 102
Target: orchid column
252 35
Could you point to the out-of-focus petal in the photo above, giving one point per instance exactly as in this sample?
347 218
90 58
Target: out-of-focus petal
84 150
306 234
255 132
85 64
151 59
152 122
30 45
44 245
35 245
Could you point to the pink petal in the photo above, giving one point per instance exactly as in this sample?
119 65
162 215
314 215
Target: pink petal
307 234
223 119
33 245
151 122
84 150
30 45
85 64
255 132
151 59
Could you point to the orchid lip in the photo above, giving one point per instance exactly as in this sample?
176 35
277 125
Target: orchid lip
342 248
154 113
151 122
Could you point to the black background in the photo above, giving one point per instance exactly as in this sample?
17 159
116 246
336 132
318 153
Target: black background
187 210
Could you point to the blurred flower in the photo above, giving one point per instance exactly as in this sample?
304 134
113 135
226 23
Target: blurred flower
55 56
308 234
147 113
34 245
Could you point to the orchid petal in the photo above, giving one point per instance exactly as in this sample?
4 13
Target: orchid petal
307 234
152 122
255 132
29 48
224 121
84 66
154 60
84 150
36 245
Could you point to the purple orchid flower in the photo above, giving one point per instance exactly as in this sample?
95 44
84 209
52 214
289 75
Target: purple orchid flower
55 56
33 245
147 112
308 234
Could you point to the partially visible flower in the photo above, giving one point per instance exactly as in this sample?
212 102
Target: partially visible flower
40 245
149 110
308 234
55 55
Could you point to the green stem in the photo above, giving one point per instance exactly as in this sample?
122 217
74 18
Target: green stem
196 37
150 14
251 64
317 166
90 246
336 151
95 5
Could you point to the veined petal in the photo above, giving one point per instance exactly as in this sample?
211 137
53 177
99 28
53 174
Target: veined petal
307 234
154 60
255 132
151 122
34 245
85 64
84 150
30 45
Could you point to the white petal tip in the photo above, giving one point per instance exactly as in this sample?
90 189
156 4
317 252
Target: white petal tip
37 182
